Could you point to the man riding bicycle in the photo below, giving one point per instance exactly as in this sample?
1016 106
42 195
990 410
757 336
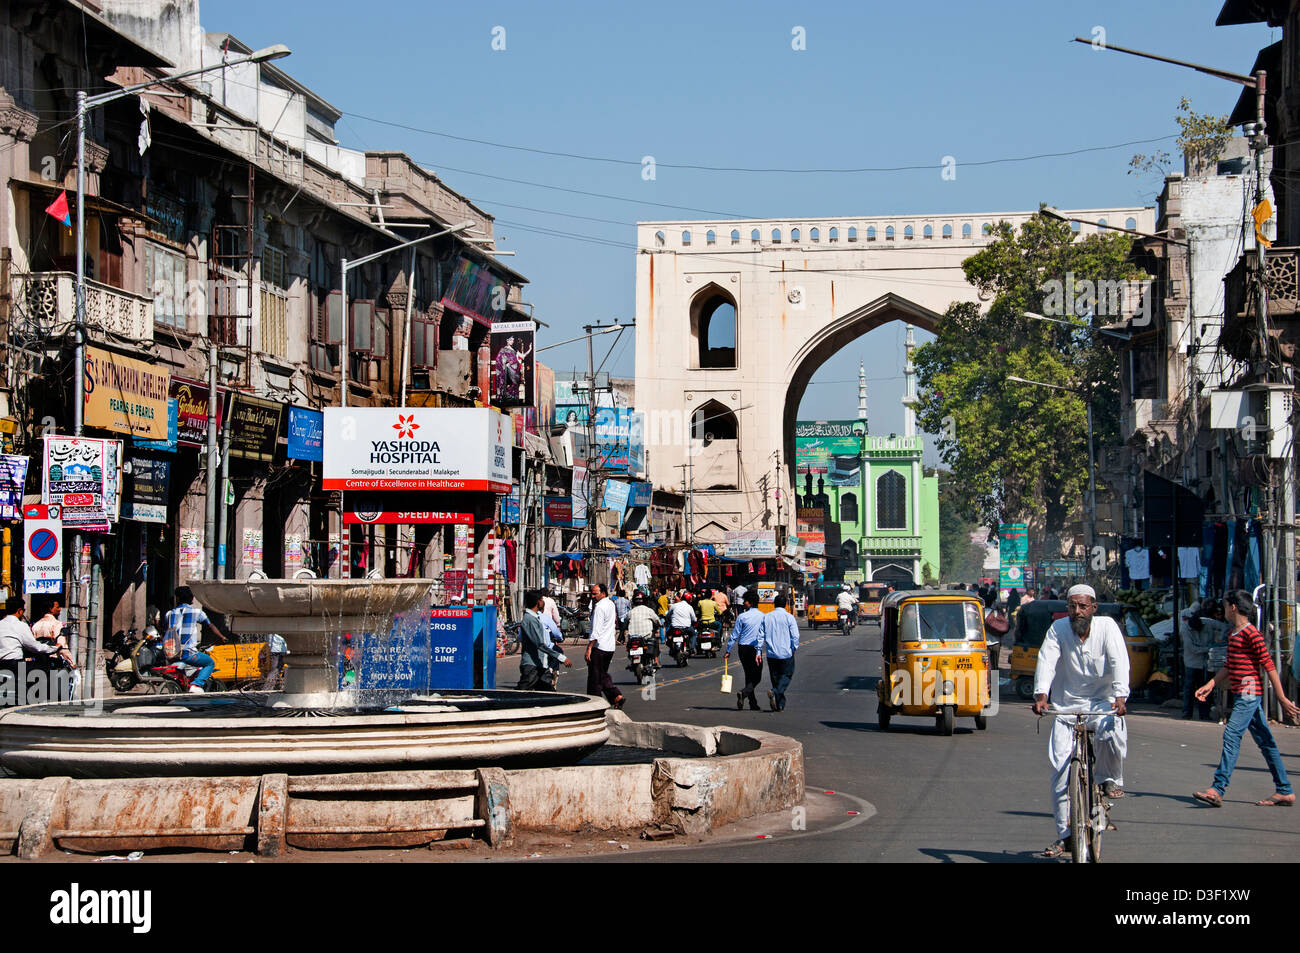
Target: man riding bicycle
1083 666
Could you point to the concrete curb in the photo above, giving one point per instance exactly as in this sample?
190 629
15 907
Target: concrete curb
721 775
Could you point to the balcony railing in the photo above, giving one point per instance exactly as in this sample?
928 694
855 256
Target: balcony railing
46 306
1282 281
891 545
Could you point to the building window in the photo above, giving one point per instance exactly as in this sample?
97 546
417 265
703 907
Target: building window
891 501
815 235
947 231
713 328
928 231
714 421
735 236
889 233
908 232
164 277
871 233
794 234
986 229
1076 227
853 233
1131 224
686 238
848 508
1101 223
776 236
965 230
660 239
710 237
755 237
835 234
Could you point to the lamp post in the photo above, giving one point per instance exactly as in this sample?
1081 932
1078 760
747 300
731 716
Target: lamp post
86 103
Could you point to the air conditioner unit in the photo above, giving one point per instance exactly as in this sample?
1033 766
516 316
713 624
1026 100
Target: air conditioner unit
1260 413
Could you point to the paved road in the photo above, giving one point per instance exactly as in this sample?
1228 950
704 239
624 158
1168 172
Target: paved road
975 796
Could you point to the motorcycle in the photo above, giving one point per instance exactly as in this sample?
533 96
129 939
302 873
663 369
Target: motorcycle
120 668
643 657
846 621
150 661
677 644
707 646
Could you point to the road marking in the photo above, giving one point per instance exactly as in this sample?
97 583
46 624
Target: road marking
714 671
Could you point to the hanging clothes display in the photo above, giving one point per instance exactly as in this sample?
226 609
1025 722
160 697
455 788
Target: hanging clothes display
1207 558
1189 562
1138 563
1236 561
641 574
1250 573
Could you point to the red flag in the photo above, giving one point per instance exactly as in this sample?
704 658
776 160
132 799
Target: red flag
59 208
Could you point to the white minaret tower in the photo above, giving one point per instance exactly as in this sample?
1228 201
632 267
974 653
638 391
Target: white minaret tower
909 397
862 393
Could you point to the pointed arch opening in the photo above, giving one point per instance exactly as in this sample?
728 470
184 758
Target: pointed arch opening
713 328
715 447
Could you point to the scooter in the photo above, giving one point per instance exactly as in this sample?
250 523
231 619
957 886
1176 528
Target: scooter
707 642
120 668
846 621
677 644
643 657
144 661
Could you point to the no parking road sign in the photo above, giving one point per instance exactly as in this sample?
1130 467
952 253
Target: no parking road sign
43 552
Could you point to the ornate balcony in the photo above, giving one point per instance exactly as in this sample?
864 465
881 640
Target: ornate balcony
1282 281
45 302
891 546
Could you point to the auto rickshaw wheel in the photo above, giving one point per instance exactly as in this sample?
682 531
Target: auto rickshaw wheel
883 716
981 722
1025 687
945 719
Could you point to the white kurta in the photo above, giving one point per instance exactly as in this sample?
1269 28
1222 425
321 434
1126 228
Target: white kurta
1083 674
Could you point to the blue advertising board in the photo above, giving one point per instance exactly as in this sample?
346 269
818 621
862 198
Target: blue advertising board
451 647
306 434
510 507
424 650
173 424
640 494
616 497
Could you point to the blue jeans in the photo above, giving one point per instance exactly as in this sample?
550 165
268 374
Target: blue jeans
1247 714
205 663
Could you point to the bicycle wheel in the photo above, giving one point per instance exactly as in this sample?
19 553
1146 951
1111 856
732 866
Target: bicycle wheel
1096 826
1079 826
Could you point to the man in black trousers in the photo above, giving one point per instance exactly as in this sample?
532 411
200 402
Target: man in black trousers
748 634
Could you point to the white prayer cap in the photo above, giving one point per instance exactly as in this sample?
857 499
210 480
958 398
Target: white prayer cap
1082 590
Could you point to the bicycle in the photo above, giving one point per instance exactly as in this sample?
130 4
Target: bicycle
1089 807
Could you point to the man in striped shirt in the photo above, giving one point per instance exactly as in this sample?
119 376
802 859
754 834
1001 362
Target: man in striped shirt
1247 654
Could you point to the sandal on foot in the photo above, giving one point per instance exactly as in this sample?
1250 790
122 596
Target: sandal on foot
1210 797
1062 846
1277 800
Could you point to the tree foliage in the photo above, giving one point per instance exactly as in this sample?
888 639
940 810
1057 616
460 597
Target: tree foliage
1020 452
962 560
1202 138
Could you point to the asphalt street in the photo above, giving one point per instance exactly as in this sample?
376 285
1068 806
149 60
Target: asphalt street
911 795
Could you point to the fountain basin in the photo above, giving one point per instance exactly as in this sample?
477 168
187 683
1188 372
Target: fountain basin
254 733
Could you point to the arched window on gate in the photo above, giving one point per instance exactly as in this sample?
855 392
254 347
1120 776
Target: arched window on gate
716 465
735 236
947 231
714 421
713 328
891 501
848 508
966 230
889 233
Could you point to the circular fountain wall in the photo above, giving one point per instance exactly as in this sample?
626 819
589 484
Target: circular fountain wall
257 733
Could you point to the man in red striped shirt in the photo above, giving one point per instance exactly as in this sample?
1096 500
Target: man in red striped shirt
1247 654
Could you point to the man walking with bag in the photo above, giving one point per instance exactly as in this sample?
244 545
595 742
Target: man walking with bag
748 634
779 641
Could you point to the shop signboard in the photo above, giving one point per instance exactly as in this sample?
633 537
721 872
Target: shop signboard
751 544
640 494
581 488
306 434
173 425
42 549
617 494
83 477
147 490
1013 553
13 481
510 508
125 395
545 398
357 516
512 363
253 427
830 449
814 543
192 408
558 511
417 448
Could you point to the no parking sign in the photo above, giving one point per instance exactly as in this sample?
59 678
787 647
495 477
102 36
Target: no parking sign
43 549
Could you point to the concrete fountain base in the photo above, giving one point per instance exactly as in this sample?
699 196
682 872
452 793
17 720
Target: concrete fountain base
700 780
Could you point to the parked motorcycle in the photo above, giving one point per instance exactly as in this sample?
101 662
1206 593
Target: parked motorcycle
643 657
677 636
145 660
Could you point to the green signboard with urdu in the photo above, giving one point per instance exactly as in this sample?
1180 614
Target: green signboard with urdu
829 449
1013 551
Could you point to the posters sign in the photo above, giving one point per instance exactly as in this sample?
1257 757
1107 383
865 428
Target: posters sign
751 544
830 449
192 409
125 395
558 511
253 426
416 448
147 490
13 480
83 477
306 434
42 549
513 374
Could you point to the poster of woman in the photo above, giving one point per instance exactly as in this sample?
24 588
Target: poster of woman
513 363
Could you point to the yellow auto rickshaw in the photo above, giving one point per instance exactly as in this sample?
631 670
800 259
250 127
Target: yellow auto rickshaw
934 659
822 606
1033 619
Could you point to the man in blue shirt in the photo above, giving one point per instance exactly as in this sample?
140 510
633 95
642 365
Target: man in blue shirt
185 623
779 641
748 633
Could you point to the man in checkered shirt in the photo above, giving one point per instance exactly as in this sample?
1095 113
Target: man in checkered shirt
184 622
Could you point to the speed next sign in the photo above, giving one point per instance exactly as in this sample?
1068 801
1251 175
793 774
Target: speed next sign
43 552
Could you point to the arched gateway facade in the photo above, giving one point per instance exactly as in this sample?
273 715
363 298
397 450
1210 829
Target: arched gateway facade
734 318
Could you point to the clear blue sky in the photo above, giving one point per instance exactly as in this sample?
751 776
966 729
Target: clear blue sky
717 83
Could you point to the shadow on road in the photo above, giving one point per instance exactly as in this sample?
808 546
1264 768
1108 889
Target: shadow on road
858 683
921 726
983 856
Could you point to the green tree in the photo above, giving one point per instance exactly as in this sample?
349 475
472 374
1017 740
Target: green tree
1201 138
961 559
1019 452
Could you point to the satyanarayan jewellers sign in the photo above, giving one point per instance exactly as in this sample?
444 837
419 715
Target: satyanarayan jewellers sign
417 448
125 395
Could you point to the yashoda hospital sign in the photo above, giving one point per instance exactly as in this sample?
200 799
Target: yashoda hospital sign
417 448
